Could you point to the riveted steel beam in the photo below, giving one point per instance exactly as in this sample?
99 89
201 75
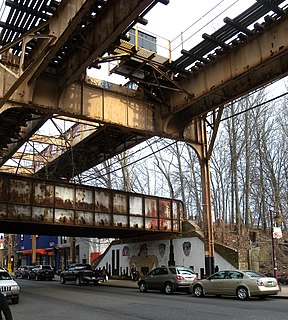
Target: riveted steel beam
99 35
262 59
88 100
65 208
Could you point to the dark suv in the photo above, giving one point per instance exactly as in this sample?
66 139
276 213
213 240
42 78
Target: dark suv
81 273
168 279
41 272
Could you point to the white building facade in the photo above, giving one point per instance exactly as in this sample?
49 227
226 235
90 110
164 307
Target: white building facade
145 255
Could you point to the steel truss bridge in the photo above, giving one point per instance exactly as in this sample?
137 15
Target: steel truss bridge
46 47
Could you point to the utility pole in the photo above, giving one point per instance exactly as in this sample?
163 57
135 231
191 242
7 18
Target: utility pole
34 248
9 267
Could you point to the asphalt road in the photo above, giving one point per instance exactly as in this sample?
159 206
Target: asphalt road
50 300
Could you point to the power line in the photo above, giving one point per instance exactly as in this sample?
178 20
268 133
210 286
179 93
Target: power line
135 161
254 107
205 25
154 152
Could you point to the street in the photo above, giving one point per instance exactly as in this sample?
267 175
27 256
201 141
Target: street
50 300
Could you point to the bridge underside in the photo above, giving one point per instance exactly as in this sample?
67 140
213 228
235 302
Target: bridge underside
15 227
129 117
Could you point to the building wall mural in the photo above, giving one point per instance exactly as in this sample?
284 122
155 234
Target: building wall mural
146 255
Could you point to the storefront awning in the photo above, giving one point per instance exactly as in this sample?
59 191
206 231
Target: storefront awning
39 251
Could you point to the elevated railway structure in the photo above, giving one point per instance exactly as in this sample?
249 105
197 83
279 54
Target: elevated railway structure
59 208
46 47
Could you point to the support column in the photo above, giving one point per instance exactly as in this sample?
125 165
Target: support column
33 247
207 217
171 261
196 136
72 250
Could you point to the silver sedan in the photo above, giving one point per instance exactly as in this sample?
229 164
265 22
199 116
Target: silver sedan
243 284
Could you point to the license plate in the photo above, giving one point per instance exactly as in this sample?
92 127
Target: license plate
93 278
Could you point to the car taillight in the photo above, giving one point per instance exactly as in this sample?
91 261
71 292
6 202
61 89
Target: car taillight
179 278
260 282
196 278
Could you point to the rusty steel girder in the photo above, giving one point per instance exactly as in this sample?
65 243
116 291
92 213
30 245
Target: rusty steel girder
261 59
89 39
66 208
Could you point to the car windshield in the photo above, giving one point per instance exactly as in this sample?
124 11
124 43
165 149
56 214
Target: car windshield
254 274
80 268
5 276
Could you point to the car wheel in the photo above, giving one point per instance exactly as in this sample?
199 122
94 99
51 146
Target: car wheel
142 286
62 280
15 300
168 288
198 291
78 281
242 293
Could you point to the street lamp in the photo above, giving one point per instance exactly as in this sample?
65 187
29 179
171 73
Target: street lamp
275 234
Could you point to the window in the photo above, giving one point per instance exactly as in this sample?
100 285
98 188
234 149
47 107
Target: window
234 275
5 276
163 271
218 275
63 239
159 271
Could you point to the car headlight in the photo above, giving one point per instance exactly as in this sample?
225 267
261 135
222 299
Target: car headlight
15 289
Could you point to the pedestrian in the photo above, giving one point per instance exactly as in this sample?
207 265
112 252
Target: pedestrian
104 274
4 307
133 273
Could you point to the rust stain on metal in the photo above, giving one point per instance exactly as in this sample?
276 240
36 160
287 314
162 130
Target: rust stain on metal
44 194
66 204
3 190
19 192
82 200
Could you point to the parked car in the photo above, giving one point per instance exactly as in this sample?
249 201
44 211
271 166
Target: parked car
243 284
168 279
9 287
41 272
22 272
81 273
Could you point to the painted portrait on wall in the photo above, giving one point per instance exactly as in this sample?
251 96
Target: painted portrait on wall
125 251
143 261
162 249
186 248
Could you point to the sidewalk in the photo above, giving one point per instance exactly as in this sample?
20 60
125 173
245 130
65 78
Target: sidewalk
283 294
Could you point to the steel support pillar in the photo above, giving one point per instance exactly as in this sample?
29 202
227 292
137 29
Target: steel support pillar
207 215
171 261
197 132
72 250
